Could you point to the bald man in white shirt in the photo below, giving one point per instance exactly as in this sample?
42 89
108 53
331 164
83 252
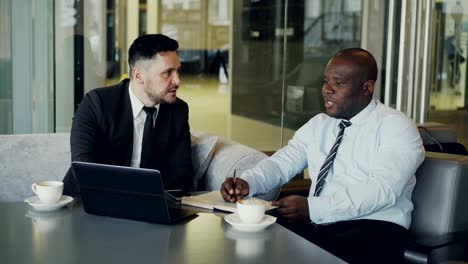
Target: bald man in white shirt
361 155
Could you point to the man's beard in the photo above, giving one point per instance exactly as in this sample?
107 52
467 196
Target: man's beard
161 98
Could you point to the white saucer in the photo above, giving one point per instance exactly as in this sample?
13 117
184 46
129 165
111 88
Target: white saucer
39 206
236 223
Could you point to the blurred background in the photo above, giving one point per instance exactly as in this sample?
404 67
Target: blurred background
251 69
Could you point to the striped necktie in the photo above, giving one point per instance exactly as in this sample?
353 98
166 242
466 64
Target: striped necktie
330 158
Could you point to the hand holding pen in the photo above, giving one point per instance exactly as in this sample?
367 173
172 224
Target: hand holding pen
234 188
231 193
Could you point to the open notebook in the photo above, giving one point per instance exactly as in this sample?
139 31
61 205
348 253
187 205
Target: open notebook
214 200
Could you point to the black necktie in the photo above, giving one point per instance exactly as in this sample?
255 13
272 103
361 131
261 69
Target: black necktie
147 142
330 158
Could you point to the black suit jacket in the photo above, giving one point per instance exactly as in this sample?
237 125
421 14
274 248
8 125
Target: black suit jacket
102 132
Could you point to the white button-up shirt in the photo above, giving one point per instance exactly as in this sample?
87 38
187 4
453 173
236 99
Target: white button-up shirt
373 173
139 118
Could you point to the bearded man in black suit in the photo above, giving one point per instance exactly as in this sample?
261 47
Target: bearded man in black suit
138 122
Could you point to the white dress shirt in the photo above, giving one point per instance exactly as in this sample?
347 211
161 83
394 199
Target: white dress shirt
373 173
139 117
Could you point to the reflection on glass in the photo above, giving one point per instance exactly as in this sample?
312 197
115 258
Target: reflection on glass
249 245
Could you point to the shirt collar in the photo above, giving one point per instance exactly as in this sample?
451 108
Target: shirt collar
361 116
137 105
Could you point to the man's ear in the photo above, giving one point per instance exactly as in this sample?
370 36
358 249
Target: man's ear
138 75
369 87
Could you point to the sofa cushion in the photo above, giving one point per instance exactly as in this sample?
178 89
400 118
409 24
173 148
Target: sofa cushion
203 146
229 156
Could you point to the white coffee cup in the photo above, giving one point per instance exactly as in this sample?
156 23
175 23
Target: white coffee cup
250 211
49 192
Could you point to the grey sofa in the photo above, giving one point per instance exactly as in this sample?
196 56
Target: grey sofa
27 158
439 220
439 228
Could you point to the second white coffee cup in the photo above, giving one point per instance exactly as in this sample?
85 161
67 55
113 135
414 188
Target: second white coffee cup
250 211
49 192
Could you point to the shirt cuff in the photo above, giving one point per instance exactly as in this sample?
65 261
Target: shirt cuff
252 185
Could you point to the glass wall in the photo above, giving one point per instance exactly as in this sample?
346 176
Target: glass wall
448 97
251 70
80 54
203 29
6 93
280 49
274 50
26 67
424 63
326 28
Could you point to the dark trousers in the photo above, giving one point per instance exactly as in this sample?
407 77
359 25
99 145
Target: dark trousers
357 241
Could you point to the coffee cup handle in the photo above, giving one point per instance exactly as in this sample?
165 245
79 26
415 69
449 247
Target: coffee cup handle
33 187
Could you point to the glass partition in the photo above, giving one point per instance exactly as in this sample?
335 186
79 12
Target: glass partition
280 49
257 72
26 68
202 28
448 101
251 70
6 92
80 55
425 73
325 28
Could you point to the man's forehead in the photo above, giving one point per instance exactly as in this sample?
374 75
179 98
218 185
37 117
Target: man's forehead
167 60
340 68
346 60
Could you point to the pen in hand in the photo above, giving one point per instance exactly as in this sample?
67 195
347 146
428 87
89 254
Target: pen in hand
233 184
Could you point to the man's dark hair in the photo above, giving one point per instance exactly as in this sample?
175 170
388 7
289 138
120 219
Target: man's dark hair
146 46
362 58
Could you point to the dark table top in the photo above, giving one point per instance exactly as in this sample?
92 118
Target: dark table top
69 235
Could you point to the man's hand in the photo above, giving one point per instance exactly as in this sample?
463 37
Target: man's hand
233 191
293 208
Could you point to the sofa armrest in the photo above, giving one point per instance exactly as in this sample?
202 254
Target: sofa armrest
441 181
439 218
229 156
434 248
426 244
